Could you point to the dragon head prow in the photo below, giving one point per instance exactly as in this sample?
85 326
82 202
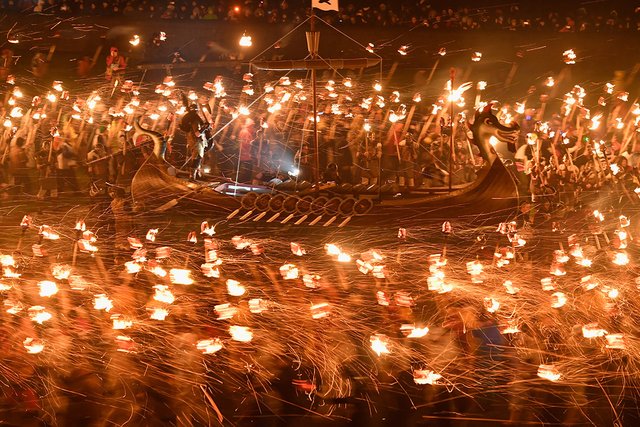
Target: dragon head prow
159 142
486 125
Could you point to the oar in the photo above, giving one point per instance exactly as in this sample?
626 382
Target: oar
234 213
328 223
315 221
346 220
274 217
301 220
287 219
173 202
247 215
260 216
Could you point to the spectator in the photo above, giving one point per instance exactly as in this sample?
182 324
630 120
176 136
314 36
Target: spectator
39 65
46 171
562 17
66 158
98 168
116 65
18 166
84 67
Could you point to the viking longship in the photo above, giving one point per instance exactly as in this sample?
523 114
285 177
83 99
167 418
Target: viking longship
324 204
492 194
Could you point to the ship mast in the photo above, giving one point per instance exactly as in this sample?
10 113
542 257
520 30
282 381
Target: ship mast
313 43
452 75
313 63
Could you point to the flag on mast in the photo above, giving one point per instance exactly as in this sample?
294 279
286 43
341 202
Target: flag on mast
325 4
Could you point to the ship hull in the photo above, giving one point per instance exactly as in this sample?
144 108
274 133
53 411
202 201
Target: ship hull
491 198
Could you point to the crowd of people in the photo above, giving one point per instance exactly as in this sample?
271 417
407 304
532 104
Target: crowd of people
84 151
130 339
125 343
512 16
133 338
123 323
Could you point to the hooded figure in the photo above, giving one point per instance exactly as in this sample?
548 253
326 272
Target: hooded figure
115 64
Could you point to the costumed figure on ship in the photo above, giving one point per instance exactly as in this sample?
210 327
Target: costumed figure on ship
199 139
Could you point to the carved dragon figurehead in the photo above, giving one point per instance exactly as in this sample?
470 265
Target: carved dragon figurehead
485 125
159 142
